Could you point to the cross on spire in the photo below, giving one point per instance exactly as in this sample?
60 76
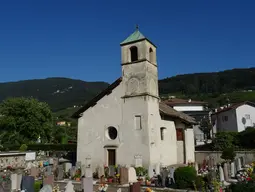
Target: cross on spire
137 27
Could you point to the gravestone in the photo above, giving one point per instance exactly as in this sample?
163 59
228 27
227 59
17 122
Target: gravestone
150 171
239 166
69 187
60 172
72 171
78 165
135 187
164 175
48 171
88 172
225 170
68 166
221 174
27 183
46 188
132 175
232 169
87 184
157 168
138 161
14 182
119 190
48 180
100 171
111 170
19 179
123 175
34 172
196 167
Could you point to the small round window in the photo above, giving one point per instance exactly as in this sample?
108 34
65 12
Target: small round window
112 133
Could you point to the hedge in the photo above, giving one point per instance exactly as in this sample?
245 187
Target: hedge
43 147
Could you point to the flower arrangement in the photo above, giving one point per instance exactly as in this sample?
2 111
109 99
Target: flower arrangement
148 190
103 188
242 176
56 189
204 170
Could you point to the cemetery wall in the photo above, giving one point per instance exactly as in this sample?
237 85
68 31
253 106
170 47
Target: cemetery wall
201 155
12 158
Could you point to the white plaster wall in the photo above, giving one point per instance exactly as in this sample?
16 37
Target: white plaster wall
188 108
180 144
92 128
241 112
189 145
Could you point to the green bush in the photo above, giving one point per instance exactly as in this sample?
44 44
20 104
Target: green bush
224 140
185 177
37 186
243 187
23 147
141 171
228 154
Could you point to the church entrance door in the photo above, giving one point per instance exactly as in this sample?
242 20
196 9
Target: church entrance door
111 157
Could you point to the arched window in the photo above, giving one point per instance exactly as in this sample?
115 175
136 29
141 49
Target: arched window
162 133
134 53
151 55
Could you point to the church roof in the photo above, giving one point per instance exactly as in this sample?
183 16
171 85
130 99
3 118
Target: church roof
136 36
163 108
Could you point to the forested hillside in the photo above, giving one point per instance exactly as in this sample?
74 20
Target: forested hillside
217 88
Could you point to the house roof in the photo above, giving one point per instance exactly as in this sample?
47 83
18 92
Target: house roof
169 111
163 108
177 101
234 106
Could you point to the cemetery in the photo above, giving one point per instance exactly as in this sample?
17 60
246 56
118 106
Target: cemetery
38 171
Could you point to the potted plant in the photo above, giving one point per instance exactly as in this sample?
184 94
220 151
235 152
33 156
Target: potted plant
148 181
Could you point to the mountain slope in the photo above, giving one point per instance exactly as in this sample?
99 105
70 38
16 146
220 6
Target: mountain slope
59 93
216 88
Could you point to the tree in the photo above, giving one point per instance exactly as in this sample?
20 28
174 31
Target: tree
228 154
23 120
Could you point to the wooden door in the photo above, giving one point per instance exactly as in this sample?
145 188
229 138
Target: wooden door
111 157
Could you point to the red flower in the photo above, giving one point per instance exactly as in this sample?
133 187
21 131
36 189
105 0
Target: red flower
248 179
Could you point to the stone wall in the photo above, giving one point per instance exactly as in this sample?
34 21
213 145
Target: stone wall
201 155
14 159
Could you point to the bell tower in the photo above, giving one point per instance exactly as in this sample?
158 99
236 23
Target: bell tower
139 66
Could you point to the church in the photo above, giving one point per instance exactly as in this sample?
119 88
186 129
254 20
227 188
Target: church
128 120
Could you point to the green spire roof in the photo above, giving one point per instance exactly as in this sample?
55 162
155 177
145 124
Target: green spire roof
137 35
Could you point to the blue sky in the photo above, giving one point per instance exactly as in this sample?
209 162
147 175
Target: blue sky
80 39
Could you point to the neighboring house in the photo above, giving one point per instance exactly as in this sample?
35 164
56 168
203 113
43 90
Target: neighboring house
127 121
196 109
234 117
63 123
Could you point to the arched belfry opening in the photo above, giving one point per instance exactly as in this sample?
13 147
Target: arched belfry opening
151 55
134 53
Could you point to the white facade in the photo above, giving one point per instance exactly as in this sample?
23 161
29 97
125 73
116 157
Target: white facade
132 108
189 108
235 119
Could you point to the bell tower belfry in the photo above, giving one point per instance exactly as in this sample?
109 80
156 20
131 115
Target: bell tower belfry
139 66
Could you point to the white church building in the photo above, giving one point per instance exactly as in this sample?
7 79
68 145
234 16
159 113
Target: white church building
128 121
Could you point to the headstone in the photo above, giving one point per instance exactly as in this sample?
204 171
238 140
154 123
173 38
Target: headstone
27 183
164 175
34 172
132 175
123 175
46 188
221 174
78 165
68 166
225 170
48 180
1 188
60 172
232 168
119 190
157 169
87 184
100 171
239 164
111 170
69 187
14 182
51 161
88 172
48 170
135 187
72 171
19 179
196 167
150 171
138 161
83 170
